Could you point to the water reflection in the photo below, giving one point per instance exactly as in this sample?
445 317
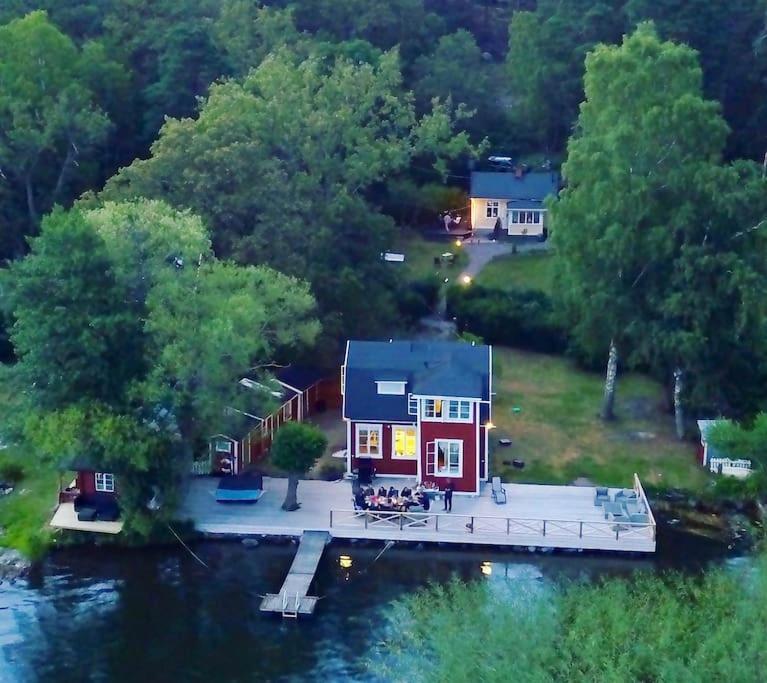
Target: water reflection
105 615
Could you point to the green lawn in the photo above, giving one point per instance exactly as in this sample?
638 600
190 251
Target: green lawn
519 271
558 434
25 513
420 253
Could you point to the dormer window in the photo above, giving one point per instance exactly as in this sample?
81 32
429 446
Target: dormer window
391 388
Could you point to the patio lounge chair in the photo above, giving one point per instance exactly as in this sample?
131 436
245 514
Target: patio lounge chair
601 496
499 493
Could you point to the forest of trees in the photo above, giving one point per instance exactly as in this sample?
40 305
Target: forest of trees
172 167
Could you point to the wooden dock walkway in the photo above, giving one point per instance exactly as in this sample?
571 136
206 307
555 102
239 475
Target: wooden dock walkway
293 598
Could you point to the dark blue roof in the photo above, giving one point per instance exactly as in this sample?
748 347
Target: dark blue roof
429 369
299 377
525 192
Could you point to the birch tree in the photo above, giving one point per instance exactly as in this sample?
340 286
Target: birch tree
636 150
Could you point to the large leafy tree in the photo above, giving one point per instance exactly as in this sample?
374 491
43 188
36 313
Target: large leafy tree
545 60
50 120
150 333
281 164
637 151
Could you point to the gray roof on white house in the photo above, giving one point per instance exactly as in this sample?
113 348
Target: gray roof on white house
450 369
524 192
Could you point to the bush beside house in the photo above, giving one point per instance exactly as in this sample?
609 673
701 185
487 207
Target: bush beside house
519 318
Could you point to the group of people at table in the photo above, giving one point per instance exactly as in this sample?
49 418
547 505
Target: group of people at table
407 500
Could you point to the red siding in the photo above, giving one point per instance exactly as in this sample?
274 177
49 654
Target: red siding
386 464
466 432
86 482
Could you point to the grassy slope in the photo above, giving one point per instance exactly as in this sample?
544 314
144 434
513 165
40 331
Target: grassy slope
518 271
560 437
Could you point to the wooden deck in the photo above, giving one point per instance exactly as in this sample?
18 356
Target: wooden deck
293 598
535 516
65 517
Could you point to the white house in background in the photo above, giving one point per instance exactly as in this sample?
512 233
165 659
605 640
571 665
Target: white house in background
515 197
714 460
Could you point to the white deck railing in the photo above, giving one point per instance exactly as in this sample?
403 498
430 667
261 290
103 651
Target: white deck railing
441 523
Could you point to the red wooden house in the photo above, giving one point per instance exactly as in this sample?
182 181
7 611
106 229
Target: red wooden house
300 392
419 410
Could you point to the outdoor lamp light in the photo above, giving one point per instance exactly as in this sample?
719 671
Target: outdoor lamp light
486 568
345 561
466 279
489 425
458 243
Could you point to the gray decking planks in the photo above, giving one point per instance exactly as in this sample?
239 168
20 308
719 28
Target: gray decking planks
296 585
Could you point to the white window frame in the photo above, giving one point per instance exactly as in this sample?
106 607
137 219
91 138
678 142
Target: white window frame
491 209
445 444
365 426
105 482
412 405
391 387
219 446
446 405
514 216
405 428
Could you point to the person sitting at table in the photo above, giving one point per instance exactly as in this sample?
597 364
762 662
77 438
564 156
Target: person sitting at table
406 492
392 492
423 500
370 491
382 492
419 487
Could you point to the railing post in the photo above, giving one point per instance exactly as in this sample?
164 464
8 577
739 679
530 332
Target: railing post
580 531
544 527
508 527
472 524
400 522
436 522
366 521
617 531
331 519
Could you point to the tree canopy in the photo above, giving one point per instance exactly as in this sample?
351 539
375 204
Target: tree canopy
141 331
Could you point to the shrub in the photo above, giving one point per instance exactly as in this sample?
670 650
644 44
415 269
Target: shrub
11 472
519 318
419 298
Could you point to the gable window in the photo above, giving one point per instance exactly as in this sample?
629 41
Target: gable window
492 209
369 441
223 446
432 408
105 482
403 442
391 388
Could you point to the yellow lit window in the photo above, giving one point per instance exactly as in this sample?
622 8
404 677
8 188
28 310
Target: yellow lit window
404 442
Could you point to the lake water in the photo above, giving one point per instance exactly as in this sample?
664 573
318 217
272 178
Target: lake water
155 615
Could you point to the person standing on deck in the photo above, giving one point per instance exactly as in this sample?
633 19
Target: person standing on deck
449 496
